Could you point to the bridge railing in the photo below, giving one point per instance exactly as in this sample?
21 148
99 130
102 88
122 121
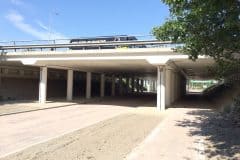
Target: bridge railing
67 44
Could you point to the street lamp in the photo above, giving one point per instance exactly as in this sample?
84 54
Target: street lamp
51 14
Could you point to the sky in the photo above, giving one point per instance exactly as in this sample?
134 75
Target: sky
63 19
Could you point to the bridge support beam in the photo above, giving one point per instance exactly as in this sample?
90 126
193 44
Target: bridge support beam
102 85
160 88
43 85
88 85
69 85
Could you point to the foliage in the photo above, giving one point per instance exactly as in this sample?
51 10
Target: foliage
209 27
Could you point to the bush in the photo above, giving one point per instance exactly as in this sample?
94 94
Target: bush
231 112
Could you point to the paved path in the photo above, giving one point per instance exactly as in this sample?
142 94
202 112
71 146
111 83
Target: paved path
172 138
19 131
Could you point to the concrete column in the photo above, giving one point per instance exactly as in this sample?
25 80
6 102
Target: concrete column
142 85
69 84
151 85
127 83
133 84
120 86
160 88
154 85
88 85
113 86
102 85
145 83
137 85
43 85
148 85
168 87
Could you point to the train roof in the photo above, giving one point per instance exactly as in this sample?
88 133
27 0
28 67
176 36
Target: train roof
106 38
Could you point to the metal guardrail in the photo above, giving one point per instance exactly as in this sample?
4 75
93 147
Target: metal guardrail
66 45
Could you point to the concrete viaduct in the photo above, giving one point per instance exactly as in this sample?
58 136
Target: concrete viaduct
155 64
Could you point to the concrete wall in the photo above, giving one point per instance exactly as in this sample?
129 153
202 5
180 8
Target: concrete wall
23 83
18 88
175 85
14 88
57 88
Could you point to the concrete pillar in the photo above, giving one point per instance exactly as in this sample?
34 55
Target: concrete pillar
88 85
148 85
120 86
145 83
151 85
168 87
127 84
142 85
102 85
154 85
160 88
113 86
69 84
137 85
133 84
43 85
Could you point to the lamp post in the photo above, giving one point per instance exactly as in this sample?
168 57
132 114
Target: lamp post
50 19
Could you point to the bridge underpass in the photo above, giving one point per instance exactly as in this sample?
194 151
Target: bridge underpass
113 72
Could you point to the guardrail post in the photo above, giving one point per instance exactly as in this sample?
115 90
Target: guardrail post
14 43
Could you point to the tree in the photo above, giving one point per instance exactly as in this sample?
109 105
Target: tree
207 27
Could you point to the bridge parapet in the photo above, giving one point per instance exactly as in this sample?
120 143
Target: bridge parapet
68 44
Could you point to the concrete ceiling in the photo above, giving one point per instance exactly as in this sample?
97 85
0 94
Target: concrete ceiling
108 66
198 69
193 70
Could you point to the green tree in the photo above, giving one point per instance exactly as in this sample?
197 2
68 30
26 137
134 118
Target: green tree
205 27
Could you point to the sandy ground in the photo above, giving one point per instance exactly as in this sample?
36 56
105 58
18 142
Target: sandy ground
171 140
16 107
221 135
191 131
110 139
188 131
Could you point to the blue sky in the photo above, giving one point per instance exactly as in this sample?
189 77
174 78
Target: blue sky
35 19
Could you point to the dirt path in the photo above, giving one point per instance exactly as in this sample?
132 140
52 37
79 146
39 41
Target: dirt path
107 140
171 139
193 133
